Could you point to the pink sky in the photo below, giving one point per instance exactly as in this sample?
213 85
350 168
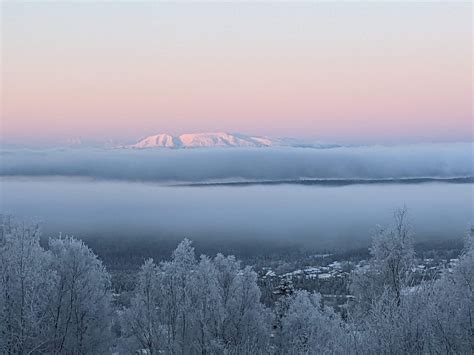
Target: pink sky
332 71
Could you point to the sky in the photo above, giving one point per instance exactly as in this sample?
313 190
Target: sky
333 71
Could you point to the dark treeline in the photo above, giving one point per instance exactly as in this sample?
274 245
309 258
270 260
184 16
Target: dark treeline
129 251
58 299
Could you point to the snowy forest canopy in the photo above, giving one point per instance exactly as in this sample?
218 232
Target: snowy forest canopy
59 299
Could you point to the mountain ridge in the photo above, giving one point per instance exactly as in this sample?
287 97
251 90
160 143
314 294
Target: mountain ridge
218 140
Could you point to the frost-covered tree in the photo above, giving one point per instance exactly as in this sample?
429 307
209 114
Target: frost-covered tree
246 324
206 307
58 301
433 317
142 319
389 270
451 311
80 306
176 307
393 254
26 285
176 287
208 310
284 290
310 328
383 312
163 316
396 327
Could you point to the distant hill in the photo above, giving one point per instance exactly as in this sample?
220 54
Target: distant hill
218 139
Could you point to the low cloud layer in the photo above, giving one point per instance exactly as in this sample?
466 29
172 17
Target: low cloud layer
259 164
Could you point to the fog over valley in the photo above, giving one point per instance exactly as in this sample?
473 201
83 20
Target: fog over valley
94 193
245 164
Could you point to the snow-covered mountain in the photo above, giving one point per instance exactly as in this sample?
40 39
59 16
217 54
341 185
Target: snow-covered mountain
221 139
202 140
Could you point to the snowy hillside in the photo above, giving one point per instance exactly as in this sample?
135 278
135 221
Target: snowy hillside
217 139
202 140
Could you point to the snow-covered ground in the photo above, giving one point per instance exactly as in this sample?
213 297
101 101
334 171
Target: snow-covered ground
342 269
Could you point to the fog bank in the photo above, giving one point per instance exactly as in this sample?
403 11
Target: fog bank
242 164
317 215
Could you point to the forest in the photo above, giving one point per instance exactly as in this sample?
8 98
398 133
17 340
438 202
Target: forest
59 298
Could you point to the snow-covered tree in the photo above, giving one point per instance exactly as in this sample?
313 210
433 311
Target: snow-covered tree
176 287
142 319
245 326
247 323
206 307
392 259
433 317
451 312
58 301
26 285
310 328
396 327
80 306
284 291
